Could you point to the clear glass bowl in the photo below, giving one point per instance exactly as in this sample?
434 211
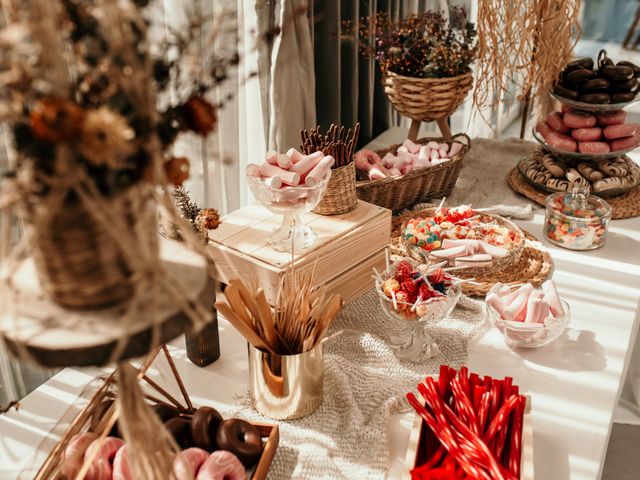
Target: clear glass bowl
528 335
414 344
289 202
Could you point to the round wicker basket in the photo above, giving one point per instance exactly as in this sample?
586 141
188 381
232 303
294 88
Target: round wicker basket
78 264
426 99
340 196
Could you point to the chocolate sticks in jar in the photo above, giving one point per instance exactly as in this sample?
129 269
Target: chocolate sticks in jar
337 142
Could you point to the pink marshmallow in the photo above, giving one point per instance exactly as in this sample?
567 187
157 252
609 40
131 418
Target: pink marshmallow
450 252
273 182
455 148
434 154
552 298
377 172
289 177
448 242
419 164
423 155
388 160
395 172
517 308
410 146
272 157
438 161
284 161
497 303
433 145
318 172
406 169
443 146
307 163
402 149
525 289
492 249
253 170
442 152
534 306
294 155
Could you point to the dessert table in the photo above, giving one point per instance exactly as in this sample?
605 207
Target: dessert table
574 383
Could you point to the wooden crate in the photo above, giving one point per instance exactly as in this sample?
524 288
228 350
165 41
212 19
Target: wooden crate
347 248
418 432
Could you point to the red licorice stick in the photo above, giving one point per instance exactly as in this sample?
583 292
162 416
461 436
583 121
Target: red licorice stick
463 403
478 391
435 458
483 411
516 438
500 417
430 394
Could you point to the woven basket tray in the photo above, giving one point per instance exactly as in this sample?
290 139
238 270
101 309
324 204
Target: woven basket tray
399 193
497 264
426 99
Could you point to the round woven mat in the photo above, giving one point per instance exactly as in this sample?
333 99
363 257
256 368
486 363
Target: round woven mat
533 266
626 205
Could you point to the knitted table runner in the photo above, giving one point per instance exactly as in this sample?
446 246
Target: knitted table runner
364 384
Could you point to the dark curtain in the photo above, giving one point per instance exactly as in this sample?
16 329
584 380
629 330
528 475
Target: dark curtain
348 86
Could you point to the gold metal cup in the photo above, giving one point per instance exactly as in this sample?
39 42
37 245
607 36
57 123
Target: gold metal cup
286 387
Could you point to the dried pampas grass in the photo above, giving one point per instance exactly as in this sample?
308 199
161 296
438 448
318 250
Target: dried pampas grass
526 42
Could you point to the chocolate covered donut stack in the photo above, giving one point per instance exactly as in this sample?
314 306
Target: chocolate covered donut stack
601 84
584 143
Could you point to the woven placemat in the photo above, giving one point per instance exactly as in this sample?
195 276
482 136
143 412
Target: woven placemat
533 266
624 206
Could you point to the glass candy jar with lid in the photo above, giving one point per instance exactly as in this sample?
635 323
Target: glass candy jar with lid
577 220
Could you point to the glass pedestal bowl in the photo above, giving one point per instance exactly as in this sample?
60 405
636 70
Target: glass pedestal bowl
413 343
290 202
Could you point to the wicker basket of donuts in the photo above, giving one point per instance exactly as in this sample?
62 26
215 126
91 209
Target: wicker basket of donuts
605 177
206 446
461 237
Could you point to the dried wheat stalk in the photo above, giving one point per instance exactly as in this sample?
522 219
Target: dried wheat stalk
527 42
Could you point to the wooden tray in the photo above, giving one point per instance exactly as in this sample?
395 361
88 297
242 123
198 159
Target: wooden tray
49 470
419 431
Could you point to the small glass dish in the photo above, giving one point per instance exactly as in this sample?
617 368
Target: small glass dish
528 335
290 202
576 220
414 344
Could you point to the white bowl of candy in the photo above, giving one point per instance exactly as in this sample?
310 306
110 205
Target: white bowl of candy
417 296
290 184
527 317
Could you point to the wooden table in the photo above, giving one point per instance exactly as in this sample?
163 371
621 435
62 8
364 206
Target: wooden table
574 383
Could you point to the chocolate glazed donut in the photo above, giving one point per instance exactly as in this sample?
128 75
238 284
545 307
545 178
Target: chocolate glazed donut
204 427
165 411
179 428
240 438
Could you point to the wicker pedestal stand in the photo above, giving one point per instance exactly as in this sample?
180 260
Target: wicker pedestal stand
427 99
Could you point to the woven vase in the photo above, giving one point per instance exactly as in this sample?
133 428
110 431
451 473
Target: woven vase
340 196
78 264
426 99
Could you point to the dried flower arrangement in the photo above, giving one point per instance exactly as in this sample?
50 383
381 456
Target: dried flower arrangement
96 94
420 45
201 219
86 80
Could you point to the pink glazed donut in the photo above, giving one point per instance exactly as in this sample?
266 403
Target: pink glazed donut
188 462
222 465
101 468
121 468
74 453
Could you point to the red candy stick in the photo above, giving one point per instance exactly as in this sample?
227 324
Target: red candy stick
499 419
516 438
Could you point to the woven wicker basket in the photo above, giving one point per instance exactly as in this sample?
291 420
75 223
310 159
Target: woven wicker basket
399 193
340 196
426 99
77 262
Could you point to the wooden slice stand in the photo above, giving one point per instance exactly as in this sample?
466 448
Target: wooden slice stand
54 336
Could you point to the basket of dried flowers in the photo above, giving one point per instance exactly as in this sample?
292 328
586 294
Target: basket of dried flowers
424 60
92 142
136 426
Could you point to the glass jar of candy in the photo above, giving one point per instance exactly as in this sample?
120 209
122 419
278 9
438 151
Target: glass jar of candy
577 220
